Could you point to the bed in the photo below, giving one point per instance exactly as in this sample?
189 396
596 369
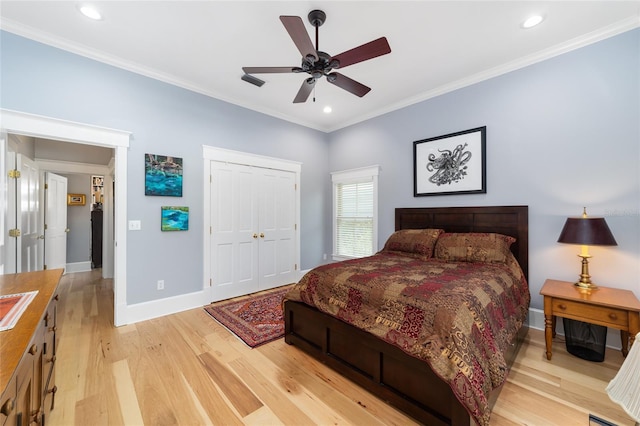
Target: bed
398 366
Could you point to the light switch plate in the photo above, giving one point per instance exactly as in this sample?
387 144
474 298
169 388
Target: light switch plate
135 225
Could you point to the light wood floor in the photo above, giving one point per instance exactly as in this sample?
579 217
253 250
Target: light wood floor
185 369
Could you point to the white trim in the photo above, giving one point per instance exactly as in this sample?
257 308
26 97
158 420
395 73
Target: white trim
158 308
53 128
238 157
78 267
576 43
209 154
362 174
71 167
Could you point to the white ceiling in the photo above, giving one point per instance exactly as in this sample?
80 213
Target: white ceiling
437 46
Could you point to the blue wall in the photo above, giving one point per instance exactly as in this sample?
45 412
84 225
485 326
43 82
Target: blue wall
165 120
561 134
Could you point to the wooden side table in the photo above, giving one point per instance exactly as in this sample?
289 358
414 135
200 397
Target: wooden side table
606 306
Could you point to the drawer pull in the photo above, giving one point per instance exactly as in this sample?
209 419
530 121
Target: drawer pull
33 349
54 328
613 316
7 407
56 297
562 306
52 359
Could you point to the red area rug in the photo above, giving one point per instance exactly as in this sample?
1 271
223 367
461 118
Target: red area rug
255 319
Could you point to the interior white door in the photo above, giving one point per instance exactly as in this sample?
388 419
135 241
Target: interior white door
277 226
55 221
234 233
4 211
30 244
253 235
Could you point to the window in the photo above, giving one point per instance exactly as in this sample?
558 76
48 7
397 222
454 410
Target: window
355 212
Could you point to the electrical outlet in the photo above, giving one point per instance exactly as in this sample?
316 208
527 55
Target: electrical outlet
324 256
160 284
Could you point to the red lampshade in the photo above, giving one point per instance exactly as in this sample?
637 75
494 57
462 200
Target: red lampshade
588 231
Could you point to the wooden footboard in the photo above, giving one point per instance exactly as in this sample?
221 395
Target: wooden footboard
383 369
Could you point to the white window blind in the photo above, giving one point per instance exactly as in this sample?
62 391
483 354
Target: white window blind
355 212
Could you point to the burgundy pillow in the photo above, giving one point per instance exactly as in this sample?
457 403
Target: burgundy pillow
473 247
416 243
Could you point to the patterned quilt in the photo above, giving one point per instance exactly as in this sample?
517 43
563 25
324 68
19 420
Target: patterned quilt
459 317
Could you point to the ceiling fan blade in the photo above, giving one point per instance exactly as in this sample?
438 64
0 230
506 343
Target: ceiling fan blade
370 50
305 91
300 36
266 70
348 84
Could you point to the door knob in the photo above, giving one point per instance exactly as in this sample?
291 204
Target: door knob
255 235
67 230
262 235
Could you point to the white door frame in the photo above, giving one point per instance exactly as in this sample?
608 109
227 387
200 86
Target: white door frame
209 154
67 131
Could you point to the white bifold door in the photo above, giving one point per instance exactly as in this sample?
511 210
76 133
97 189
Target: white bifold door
253 235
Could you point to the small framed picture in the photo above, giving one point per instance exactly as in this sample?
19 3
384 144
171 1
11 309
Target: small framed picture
450 164
76 199
175 218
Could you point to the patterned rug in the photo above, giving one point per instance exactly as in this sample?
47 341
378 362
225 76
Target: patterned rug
256 319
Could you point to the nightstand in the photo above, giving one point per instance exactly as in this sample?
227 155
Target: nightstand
606 306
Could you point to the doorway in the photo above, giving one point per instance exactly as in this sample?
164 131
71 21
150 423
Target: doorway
54 129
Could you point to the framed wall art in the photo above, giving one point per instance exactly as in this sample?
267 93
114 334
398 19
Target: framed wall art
174 218
450 164
162 175
76 199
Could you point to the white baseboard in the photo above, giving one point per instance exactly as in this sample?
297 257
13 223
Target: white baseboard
161 307
78 267
536 320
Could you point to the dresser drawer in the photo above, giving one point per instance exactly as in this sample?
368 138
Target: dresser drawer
591 313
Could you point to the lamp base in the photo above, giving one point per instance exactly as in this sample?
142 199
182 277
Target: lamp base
588 286
585 278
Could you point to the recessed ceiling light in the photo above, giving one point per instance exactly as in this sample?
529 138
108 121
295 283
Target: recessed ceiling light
532 21
90 12
327 109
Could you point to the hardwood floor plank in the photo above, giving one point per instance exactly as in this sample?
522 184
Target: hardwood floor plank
126 394
240 396
289 407
186 369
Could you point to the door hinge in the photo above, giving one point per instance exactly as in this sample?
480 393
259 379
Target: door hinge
295 266
14 173
15 233
45 226
45 266
295 226
210 282
46 186
295 186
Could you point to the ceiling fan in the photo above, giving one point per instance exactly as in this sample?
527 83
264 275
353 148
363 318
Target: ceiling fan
317 63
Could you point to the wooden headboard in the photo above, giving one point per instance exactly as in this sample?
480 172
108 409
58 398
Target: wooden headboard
506 220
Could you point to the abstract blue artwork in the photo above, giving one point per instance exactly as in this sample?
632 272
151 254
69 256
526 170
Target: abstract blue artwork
162 175
175 218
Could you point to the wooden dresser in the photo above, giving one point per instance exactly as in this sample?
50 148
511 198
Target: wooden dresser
28 351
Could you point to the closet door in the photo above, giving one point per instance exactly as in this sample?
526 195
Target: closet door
277 191
234 233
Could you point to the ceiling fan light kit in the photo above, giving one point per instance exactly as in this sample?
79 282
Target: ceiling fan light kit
253 80
320 64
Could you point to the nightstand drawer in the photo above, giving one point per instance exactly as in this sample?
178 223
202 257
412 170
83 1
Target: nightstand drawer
591 313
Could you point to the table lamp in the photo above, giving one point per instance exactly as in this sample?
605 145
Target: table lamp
586 231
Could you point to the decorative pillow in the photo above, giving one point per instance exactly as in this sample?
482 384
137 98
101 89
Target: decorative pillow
473 247
416 243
